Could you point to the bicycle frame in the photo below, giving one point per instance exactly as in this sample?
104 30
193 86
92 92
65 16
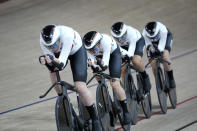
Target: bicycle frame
129 67
160 81
103 76
159 60
111 106
137 93
66 86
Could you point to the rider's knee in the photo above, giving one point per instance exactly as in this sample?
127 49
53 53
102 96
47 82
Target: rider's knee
81 86
123 71
137 60
166 54
115 83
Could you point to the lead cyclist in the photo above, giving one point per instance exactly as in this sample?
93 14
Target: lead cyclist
61 43
158 36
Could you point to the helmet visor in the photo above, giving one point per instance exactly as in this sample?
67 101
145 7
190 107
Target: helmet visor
96 50
47 39
53 47
117 32
122 40
156 38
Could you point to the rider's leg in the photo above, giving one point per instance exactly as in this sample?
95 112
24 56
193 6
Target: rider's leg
137 61
123 72
122 99
115 72
168 68
118 89
166 56
78 63
84 93
153 65
88 101
53 80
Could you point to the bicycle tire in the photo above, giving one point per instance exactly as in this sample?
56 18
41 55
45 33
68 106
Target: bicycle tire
173 97
120 115
130 91
63 115
160 87
171 92
145 102
103 107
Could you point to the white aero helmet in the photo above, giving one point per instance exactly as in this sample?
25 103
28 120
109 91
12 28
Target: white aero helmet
118 29
91 38
152 29
50 34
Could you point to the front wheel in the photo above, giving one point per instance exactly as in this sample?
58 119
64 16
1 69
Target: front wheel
171 92
63 115
130 91
173 97
103 107
160 86
146 101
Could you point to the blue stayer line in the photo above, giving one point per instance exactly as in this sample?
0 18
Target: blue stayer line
1 113
27 105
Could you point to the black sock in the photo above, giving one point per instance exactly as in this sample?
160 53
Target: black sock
144 74
60 94
124 105
92 112
170 74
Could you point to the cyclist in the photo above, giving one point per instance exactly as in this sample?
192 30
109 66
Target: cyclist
132 45
159 41
103 46
60 43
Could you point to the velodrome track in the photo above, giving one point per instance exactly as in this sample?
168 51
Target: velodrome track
23 79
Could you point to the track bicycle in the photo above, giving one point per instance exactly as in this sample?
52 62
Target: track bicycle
162 82
136 95
108 109
66 115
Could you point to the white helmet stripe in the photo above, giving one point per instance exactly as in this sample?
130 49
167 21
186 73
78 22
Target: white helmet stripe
56 35
96 39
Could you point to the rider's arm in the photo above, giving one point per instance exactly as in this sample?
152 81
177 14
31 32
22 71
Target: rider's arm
163 35
123 51
106 44
147 40
92 59
133 36
67 42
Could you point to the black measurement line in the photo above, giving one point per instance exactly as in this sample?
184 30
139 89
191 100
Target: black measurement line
186 125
